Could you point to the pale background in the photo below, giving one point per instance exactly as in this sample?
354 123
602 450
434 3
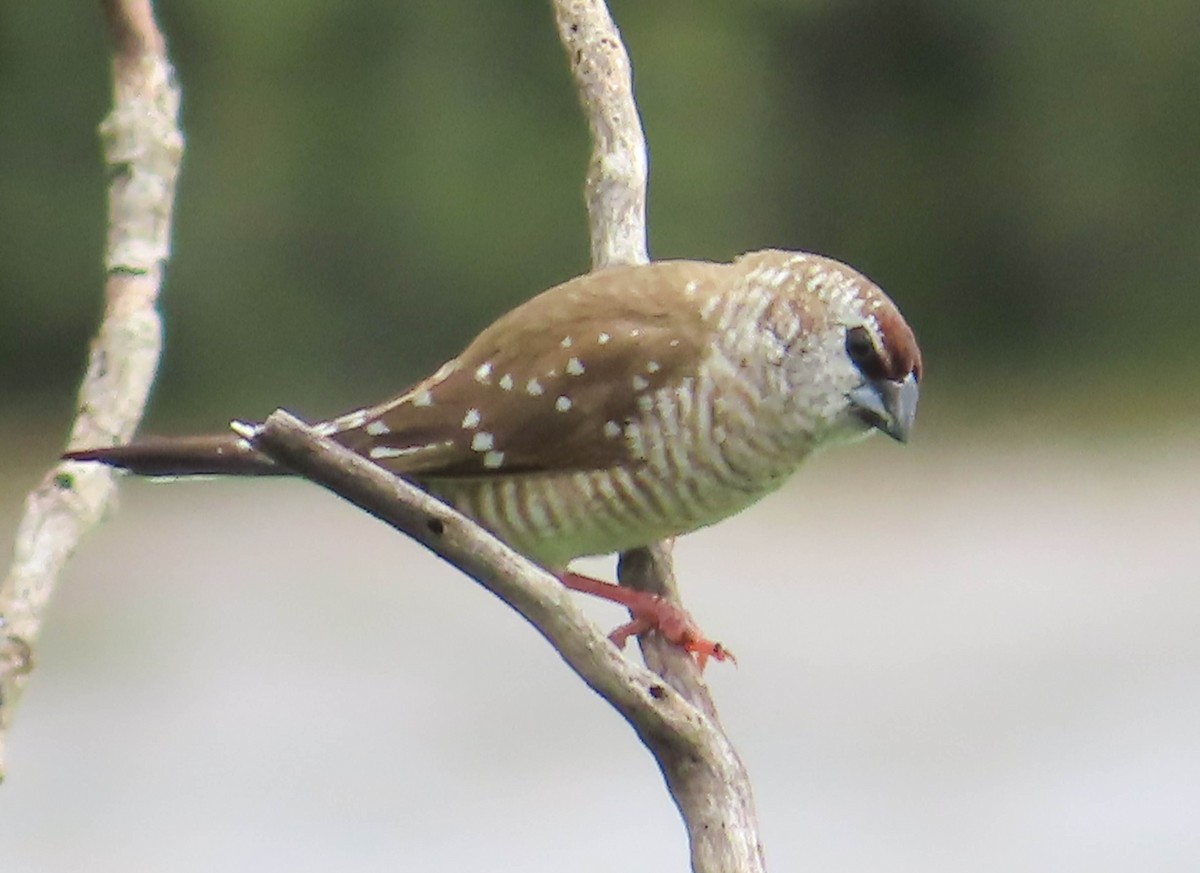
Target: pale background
965 655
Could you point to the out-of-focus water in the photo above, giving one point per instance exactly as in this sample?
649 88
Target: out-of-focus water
985 659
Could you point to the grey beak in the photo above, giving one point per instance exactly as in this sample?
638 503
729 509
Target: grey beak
889 406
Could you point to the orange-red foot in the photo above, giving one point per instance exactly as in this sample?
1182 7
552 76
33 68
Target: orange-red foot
650 612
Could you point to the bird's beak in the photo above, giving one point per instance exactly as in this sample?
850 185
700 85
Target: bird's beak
887 405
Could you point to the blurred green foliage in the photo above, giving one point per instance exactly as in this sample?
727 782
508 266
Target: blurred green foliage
367 184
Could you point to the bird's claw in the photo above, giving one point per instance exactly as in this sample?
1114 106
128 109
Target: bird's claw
676 626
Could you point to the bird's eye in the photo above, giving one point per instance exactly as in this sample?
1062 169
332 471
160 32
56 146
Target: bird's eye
861 349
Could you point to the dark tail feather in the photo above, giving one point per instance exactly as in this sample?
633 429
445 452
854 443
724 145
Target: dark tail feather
216 455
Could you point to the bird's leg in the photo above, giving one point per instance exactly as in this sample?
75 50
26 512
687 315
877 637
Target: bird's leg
650 612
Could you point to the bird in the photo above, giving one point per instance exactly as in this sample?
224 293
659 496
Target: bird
625 406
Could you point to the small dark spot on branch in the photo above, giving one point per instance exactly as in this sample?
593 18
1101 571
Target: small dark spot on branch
658 692
118 169
436 526
16 657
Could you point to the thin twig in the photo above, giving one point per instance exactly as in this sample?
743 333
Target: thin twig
143 147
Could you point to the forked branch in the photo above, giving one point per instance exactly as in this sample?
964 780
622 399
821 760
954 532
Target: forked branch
703 772
672 711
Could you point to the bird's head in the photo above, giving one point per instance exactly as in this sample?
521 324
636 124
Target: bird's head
853 365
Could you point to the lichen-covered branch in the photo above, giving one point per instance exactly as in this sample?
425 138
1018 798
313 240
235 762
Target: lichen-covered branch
142 148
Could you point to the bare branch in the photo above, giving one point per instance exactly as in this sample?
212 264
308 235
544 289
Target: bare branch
143 147
701 768
714 798
719 812
616 179
616 200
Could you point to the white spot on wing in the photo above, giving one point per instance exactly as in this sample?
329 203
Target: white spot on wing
645 402
381 452
482 442
377 428
640 383
534 388
472 418
483 373
612 430
493 460
350 420
566 342
563 403
574 367
506 382
422 398
653 367
603 338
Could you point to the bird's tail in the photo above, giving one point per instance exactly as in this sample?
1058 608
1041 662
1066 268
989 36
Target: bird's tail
210 455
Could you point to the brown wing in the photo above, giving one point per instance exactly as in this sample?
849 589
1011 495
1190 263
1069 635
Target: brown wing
552 384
